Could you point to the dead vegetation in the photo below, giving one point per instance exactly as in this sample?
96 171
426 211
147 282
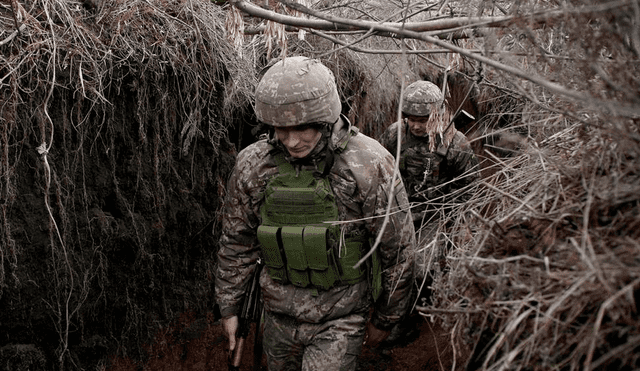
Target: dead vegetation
115 118
540 270
114 135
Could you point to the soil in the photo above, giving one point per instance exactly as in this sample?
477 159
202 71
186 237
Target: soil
427 349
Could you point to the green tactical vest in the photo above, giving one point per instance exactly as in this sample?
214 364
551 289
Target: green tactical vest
298 248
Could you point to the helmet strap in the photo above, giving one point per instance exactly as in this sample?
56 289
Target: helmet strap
325 141
330 151
329 159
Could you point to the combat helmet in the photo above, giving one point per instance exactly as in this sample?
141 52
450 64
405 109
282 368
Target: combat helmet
420 98
297 90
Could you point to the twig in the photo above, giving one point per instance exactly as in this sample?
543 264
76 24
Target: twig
596 327
424 310
13 34
453 346
396 175
505 260
44 150
435 342
523 203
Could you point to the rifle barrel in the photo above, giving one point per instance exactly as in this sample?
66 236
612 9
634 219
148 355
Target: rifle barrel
251 310
236 357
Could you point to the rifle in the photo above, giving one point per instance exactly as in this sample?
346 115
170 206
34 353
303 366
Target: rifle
251 312
463 118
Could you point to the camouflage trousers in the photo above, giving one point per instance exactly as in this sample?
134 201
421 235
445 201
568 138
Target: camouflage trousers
424 265
426 248
332 346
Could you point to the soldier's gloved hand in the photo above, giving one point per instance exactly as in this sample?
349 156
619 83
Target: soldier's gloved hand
230 326
374 336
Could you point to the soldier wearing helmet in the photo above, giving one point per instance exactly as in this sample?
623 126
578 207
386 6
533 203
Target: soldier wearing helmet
309 199
436 160
437 166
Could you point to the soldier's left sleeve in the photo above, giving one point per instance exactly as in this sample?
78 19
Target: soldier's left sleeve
395 252
239 248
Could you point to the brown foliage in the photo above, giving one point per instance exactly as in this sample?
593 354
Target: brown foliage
114 153
114 150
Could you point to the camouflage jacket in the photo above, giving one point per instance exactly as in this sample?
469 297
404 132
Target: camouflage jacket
432 178
360 178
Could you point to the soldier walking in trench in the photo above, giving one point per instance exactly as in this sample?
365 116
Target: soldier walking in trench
437 165
314 167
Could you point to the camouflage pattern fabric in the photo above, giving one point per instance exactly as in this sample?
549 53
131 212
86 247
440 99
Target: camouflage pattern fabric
421 97
329 346
432 176
424 98
360 178
295 91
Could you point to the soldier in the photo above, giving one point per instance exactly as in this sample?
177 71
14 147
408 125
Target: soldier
314 168
437 165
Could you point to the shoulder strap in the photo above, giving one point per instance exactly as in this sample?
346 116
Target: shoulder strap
441 149
340 146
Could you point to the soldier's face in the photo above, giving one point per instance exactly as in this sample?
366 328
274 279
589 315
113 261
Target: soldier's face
299 140
417 125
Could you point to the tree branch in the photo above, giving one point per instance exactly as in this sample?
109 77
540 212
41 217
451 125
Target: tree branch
409 30
331 23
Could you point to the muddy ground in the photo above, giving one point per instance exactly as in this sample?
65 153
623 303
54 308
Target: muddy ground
201 345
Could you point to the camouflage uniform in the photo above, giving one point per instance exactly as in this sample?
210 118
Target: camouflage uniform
432 176
298 320
330 345
433 167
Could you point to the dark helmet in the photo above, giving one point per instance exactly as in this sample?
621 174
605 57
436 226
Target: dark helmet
421 98
295 91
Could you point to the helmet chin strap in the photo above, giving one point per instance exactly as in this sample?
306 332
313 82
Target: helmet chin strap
329 150
324 146
324 150
323 142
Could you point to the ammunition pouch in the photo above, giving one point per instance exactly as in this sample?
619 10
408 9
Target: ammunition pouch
308 256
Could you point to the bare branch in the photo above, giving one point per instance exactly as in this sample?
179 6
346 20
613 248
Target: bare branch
381 51
332 23
415 31
13 34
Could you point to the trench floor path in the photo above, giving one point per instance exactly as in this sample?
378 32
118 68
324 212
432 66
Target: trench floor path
200 345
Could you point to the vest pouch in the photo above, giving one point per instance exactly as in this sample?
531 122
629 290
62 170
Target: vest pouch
296 258
323 274
348 255
268 237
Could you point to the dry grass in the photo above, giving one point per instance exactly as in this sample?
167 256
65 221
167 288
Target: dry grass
129 85
542 270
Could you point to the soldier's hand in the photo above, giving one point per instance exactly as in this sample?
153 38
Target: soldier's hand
230 326
374 336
